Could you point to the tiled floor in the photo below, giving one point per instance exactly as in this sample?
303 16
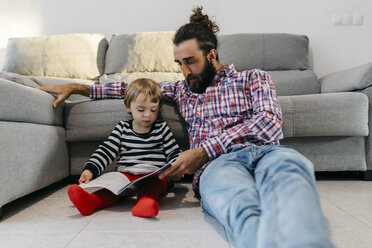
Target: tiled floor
48 219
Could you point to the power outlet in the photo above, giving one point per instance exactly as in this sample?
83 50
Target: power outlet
347 19
358 19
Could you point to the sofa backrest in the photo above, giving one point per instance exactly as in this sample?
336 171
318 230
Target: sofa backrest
150 54
66 55
284 56
269 52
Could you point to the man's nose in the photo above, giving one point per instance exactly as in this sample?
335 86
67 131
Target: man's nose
185 70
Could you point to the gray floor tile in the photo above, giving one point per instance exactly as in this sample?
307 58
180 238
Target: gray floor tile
48 219
358 206
139 239
47 215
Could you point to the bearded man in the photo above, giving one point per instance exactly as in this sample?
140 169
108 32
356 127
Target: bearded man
263 194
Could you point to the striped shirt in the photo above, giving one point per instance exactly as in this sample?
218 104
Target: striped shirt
239 108
138 153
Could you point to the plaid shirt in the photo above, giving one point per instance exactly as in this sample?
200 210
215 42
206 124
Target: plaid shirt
239 108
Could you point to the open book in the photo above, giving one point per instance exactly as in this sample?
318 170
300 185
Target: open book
119 184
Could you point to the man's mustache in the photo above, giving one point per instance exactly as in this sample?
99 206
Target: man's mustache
193 76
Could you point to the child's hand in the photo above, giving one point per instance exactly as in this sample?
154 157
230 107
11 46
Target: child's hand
86 176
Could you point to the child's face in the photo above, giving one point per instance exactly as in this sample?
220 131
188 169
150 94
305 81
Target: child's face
144 113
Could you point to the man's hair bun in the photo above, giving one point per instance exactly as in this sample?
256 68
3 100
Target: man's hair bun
199 18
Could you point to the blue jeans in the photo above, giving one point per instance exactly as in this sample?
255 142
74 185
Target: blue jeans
265 196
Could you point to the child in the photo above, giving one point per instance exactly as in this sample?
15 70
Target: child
143 145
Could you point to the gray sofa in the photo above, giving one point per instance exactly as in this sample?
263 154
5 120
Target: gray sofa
326 119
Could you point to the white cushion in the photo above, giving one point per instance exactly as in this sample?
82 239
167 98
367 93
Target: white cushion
141 52
67 55
130 77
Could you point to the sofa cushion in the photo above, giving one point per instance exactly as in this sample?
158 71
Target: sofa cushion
270 52
331 153
19 103
44 81
19 79
38 81
332 114
67 55
357 78
129 77
341 114
295 82
141 52
89 120
94 120
32 157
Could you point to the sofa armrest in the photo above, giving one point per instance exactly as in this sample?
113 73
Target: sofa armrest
357 78
19 103
368 92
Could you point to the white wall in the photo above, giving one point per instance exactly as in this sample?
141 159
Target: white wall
335 47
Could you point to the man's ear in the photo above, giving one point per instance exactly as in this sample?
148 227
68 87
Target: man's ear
212 55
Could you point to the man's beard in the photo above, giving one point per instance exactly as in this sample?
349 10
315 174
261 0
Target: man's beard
203 80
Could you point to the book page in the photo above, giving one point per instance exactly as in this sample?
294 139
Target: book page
113 181
132 186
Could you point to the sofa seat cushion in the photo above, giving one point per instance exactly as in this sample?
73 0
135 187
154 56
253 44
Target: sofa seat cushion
295 82
332 114
19 79
89 120
94 120
45 81
337 114
20 103
37 81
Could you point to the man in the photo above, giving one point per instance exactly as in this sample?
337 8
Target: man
262 193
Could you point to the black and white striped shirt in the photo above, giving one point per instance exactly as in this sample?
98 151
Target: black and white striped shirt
138 153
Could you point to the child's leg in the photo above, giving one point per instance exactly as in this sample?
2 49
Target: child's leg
86 203
147 198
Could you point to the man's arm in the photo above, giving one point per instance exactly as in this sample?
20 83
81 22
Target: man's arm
95 91
187 162
64 91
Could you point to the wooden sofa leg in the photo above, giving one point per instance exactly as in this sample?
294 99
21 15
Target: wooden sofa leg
367 175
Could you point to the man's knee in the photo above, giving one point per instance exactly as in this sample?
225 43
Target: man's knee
282 158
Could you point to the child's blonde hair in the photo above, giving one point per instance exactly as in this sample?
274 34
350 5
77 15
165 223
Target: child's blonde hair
146 86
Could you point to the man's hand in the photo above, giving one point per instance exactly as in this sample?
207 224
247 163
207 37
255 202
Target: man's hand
187 162
64 91
86 176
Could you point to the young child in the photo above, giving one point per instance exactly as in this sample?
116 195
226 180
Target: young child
143 145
